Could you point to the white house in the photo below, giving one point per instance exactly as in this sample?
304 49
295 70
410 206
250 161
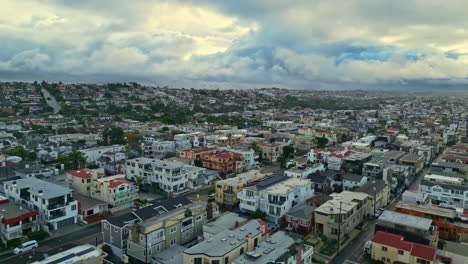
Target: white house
352 180
446 191
304 170
93 154
275 196
54 203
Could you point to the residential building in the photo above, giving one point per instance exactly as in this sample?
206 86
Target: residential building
323 182
304 170
226 190
16 221
443 218
446 191
378 190
84 254
353 181
278 248
156 233
196 153
65 138
115 229
94 154
391 248
270 152
54 203
118 192
412 228
226 246
373 169
158 149
318 156
228 220
354 162
248 155
226 162
342 214
90 210
399 177
300 219
416 197
172 177
414 161
275 196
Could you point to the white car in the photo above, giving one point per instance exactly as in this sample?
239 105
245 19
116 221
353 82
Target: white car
368 247
26 246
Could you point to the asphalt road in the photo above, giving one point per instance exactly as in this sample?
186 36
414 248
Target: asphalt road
52 246
52 102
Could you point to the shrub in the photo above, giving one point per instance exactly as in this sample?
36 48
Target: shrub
38 235
12 243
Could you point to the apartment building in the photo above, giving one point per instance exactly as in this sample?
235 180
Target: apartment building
354 162
413 228
270 152
447 191
343 213
54 203
275 196
351 181
64 138
226 246
225 162
172 177
154 234
392 248
378 190
16 221
159 149
196 153
226 190
443 218
304 170
118 192
248 155
414 161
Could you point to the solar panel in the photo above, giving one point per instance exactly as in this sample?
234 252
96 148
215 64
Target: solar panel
86 251
62 259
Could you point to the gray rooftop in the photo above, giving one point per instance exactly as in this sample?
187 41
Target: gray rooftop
411 157
12 210
171 255
303 211
222 243
49 190
393 154
223 222
406 220
269 250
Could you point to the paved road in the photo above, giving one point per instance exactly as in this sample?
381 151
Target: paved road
54 245
51 101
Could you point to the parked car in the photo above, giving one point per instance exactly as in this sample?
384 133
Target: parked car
368 247
378 212
26 246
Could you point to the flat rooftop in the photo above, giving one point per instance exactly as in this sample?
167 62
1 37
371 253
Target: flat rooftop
171 255
223 222
12 210
348 202
286 186
40 188
406 220
434 210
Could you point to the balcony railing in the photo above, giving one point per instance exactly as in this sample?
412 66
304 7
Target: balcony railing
187 227
276 202
55 205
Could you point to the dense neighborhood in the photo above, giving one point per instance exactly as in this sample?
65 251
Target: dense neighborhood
128 173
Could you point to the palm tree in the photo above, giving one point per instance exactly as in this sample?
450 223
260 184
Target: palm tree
77 159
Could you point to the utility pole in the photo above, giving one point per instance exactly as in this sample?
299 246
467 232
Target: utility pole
375 195
339 231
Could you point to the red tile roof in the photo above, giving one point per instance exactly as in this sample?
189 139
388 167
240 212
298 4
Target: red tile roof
396 241
117 182
81 173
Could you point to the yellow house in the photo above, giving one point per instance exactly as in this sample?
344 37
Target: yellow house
391 248
226 190
226 246
80 180
354 207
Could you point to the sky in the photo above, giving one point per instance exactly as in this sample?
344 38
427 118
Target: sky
297 44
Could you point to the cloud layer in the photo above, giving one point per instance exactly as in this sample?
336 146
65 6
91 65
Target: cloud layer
318 44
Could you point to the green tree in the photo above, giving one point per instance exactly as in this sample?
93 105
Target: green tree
321 142
170 155
113 135
76 159
23 153
18 135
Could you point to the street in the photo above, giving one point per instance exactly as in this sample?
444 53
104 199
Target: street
52 246
51 101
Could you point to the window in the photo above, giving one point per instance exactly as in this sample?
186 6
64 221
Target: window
241 251
422 261
198 218
173 229
106 226
384 249
215 262
116 229
173 241
400 252
226 260
73 207
197 261
125 230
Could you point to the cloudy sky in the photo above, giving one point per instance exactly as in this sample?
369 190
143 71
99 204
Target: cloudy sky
316 44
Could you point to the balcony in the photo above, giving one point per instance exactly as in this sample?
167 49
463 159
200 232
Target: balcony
228 192
187 227
56 214
55 206
276 202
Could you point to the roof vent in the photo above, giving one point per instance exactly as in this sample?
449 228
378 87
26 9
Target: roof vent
243 229
224 239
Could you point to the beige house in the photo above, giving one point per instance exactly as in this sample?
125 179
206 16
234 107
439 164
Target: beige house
115 190
351 207
226 246
226 190
270 152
